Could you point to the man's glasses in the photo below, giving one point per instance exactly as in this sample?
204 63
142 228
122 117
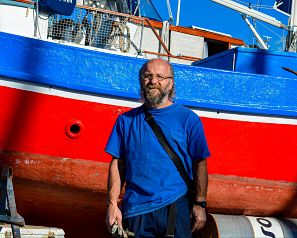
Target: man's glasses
159 77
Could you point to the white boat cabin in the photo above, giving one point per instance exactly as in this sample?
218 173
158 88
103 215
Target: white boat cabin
109 25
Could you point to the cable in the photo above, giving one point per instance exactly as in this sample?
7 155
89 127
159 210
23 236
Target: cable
258 6
169 12
269 29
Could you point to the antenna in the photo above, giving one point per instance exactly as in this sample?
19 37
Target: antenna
251 12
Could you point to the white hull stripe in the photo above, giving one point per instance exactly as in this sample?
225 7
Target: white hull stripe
132 104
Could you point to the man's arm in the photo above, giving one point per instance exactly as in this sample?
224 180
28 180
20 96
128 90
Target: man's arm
116 179
201 182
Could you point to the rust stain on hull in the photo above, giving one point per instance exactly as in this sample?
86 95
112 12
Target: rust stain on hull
74 173
71 194
236 195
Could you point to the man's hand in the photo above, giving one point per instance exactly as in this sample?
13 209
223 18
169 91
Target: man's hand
113 215
198 218
115 184
201 182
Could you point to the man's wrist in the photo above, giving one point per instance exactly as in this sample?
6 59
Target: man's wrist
111 203
202 204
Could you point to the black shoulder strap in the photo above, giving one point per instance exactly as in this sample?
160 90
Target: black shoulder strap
161 138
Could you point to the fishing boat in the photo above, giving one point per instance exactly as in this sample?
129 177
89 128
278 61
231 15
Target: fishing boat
66 75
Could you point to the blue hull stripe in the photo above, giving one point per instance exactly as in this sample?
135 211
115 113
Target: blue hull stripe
94 72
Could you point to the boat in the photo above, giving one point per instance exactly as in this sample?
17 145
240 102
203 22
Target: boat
65 79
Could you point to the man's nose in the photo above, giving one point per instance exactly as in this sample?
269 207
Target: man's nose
154 79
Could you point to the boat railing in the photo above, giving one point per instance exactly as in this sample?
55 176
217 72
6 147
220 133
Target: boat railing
97 28
105 29
110 30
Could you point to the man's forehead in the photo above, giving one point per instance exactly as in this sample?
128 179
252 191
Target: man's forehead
157 64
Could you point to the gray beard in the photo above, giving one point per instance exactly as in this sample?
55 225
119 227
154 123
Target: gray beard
154 100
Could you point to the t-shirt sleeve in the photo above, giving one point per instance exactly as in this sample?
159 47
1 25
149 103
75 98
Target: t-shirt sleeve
115 143
197 144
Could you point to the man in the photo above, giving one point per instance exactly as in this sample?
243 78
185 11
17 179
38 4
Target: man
152 181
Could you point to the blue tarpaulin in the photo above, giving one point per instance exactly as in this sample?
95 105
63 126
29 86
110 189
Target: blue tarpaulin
63 7
146 9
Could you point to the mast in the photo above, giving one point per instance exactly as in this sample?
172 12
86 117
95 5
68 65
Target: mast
293 19
246 11
251 12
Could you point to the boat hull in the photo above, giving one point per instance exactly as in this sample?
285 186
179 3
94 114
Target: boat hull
56 116
71 193
66 193
38 120
70 189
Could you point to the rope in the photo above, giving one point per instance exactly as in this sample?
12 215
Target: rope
120 36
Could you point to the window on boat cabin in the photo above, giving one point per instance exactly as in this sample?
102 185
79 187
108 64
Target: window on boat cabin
215 47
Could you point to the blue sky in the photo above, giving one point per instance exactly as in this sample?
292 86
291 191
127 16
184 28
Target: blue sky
210 15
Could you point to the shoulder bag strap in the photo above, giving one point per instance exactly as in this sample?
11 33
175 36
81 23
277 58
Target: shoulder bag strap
162 140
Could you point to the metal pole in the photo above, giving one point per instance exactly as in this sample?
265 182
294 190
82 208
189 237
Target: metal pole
291 37
158 36
169 12
178 12
293 19
261 42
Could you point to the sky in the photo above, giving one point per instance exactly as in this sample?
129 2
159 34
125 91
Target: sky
210 15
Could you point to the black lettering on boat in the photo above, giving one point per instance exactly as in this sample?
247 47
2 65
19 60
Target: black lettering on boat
267 224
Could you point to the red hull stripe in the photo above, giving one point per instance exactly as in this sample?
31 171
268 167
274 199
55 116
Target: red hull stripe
37 123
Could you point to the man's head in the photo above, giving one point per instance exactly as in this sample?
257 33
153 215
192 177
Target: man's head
157 82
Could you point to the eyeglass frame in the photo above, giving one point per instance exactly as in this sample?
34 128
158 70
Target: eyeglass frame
159 77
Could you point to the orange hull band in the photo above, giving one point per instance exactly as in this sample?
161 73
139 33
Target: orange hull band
70 193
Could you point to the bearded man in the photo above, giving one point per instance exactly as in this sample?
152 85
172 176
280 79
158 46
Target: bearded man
153 183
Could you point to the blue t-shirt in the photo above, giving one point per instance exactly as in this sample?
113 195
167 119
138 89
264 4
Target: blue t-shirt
152 180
